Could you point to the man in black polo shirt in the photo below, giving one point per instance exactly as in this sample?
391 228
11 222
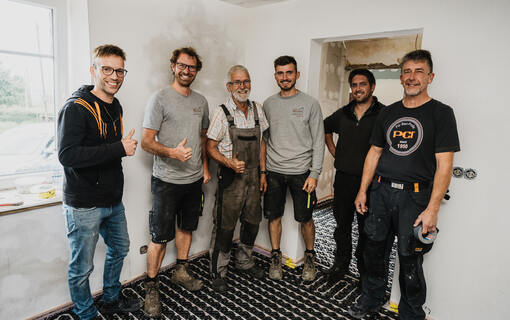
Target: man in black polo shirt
353 123
410 162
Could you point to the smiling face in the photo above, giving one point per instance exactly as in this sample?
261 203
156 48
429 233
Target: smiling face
239 85
415 77
361 88
286 76
107 85
181 69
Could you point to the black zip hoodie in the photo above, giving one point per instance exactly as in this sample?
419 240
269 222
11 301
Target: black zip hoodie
90 149
352 146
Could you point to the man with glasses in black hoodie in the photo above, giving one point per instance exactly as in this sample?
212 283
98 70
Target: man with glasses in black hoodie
90 149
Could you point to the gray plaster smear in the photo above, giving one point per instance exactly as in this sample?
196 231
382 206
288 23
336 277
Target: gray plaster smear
217 49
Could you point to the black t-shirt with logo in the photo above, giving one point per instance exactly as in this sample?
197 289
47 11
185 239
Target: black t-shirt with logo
411 137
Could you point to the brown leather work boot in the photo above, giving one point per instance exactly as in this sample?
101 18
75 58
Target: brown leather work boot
152 305
309 269
182 277
275 268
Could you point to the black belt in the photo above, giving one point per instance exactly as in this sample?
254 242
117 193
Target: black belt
414 186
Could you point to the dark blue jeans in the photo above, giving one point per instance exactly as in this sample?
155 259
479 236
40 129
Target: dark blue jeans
84 225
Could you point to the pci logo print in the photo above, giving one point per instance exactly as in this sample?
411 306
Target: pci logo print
404 136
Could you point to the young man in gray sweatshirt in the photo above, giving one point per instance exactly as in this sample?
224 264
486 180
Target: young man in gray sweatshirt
295 150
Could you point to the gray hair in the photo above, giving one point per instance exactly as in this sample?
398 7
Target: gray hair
236 68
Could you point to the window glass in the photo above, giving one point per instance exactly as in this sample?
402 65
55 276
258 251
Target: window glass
27 90
26 28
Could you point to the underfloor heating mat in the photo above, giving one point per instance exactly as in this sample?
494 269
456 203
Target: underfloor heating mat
257 299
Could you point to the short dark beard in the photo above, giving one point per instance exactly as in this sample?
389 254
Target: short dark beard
364 100
287 89
186 85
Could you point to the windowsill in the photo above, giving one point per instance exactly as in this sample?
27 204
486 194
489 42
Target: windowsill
30 201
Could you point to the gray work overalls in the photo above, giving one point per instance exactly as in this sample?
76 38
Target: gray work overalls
237 197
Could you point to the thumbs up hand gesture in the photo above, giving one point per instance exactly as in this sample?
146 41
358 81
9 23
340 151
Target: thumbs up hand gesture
181 152
236 164
129 143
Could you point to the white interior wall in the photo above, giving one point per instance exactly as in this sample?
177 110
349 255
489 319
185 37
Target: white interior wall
466 270
33 267
212 28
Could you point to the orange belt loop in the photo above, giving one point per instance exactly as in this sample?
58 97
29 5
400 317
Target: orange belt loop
416 187
379 179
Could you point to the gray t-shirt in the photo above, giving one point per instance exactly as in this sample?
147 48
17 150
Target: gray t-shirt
295 142
176 117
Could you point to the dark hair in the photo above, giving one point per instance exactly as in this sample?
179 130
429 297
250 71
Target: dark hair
108 50
285 60
190 52
362 72
418 55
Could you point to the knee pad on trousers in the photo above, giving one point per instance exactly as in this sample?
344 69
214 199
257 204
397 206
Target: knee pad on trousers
224 240
409 275
249 233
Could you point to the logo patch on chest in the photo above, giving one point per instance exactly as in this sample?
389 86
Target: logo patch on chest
298 112
197 111
404 136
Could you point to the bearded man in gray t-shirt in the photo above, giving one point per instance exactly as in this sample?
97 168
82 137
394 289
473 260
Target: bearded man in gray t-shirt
295 150
175 126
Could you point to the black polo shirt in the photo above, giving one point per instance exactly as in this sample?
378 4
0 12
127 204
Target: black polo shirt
353 140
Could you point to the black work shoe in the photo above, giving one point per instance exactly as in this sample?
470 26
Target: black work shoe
333 269
359 310
219 284
335 273
254 271
123 304
333 278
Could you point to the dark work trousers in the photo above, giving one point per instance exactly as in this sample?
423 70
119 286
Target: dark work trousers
346 188
237 198
393 212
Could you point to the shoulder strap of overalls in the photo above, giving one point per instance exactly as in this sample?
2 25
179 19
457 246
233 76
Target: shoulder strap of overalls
230 119
255 114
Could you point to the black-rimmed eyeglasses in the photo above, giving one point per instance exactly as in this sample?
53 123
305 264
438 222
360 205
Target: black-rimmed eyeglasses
183 66
239 82
108 71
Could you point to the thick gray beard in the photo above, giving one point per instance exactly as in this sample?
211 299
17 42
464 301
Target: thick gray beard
239 98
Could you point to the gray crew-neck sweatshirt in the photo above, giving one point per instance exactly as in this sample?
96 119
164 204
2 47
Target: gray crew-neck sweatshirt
175 117
295 142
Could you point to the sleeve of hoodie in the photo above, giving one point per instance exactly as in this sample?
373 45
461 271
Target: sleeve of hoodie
72 130
317 130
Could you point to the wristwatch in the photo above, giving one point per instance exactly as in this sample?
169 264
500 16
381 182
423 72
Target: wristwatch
263 172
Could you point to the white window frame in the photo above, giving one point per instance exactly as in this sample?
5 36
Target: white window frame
61 79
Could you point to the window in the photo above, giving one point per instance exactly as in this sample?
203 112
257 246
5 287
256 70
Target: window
27 89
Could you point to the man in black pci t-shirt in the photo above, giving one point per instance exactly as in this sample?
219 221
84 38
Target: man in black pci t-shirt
410 163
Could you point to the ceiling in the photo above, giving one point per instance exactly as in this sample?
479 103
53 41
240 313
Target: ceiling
252 3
